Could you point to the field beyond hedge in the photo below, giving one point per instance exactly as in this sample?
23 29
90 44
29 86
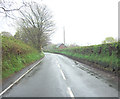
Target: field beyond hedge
106 55
16 55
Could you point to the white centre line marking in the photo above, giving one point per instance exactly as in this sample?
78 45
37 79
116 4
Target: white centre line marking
72 65
62 74
58 65
70 92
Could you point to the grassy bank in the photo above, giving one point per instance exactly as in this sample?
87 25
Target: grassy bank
16 55
106 55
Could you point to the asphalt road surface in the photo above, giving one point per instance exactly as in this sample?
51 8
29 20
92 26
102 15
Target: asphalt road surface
59 76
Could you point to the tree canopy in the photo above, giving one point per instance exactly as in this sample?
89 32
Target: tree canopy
35 26
7 34
109 40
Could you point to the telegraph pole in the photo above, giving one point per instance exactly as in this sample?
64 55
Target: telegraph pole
64 34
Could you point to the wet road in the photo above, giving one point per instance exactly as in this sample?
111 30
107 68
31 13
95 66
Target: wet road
59 76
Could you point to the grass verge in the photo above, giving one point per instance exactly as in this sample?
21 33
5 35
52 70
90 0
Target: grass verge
105 55
16 55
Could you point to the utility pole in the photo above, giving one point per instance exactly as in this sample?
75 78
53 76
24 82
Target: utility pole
64 34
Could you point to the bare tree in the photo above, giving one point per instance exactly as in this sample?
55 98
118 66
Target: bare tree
36 25
7 8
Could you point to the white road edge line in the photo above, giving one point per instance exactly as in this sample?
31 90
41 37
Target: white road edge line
19 78
62 74
70 92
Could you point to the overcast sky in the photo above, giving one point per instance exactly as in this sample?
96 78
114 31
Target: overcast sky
85 21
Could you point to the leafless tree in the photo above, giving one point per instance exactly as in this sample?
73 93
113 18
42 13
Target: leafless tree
36 25
7 8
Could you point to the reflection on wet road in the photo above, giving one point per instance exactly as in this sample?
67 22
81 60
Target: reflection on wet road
59 76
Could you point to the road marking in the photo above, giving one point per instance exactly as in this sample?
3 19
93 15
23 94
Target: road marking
19 78
62 74
70 92
72 65
58 65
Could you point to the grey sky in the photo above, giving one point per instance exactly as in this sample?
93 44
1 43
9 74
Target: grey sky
85 21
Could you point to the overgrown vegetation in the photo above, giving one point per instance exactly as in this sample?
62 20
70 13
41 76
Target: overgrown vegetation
34 27
16 55
106 55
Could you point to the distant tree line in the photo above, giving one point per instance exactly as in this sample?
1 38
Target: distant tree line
109 40
4 33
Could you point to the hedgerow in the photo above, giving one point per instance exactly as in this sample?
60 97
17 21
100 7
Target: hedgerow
106 55
16 55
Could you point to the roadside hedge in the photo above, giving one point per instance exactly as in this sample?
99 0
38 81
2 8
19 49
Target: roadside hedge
16 55
106 55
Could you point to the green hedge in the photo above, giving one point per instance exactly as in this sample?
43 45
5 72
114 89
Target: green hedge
104 54
16 55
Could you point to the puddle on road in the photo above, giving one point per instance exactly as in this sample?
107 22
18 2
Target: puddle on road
76 63
110 85
87 70
91 71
